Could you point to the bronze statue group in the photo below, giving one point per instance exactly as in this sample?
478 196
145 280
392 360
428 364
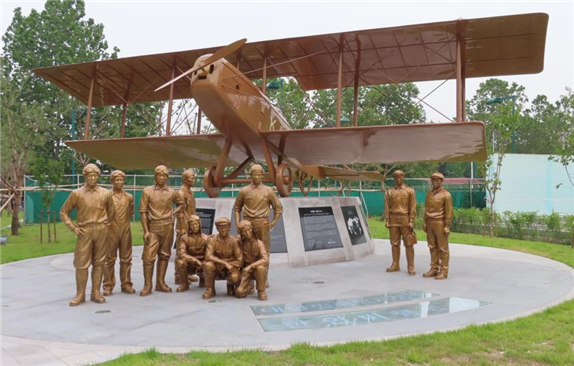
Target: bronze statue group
103 229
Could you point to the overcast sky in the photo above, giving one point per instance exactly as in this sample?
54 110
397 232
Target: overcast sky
147 27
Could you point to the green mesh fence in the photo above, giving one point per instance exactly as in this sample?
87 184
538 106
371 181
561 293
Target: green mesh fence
370 194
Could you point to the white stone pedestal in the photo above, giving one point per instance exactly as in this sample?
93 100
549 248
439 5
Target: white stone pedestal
303 249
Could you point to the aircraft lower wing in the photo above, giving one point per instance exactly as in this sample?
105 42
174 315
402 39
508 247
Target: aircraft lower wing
464 141
307 149
149 152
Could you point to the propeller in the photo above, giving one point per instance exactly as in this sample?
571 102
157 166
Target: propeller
219 54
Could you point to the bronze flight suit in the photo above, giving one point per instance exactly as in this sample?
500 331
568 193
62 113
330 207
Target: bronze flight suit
157 203
438 213
181 226
255 254
227 250
191 256
95 210
255 201
400 210
120 239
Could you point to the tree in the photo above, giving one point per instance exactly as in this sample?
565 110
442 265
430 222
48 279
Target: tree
502 125
61 34
18 119
57 35
565 153
294 103
501 120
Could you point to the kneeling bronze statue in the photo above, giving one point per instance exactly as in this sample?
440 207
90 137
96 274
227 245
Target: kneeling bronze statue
191 249
223 259
255 262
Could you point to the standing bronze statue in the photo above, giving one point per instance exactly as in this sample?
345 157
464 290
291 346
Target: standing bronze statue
223 259
254 201
255 262
400 210
438 216
191 249
95 210
187 181
157 214
120 238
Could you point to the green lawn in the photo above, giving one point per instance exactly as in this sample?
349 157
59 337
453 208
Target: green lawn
546 338
27 244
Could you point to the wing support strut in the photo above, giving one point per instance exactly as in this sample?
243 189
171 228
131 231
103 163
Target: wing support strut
214 178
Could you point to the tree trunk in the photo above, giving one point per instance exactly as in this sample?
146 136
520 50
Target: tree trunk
491 224
16 210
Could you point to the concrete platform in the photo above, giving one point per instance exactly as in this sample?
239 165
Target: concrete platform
322 304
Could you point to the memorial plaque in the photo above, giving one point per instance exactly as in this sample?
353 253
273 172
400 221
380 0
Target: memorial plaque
207 215
319 228
278 240
353 224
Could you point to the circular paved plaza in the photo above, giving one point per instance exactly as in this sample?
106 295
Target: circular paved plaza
321 304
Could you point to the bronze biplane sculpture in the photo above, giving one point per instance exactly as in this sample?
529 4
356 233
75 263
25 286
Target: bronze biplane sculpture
251 128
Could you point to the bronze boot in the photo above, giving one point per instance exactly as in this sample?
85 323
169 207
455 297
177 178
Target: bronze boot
210 286
109 279
184 285
148 274
201 281
160 284
410 252
444 259
431 273
176 278
441 275
81 282
230 289
396 252
260 276
97 274
126 278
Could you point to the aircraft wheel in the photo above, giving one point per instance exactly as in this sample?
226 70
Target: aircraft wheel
284 180
209 183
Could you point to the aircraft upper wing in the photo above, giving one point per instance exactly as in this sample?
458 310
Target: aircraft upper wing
303 149
506 45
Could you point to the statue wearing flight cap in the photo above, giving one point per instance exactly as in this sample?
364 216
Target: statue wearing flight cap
223 259
120 238
95 210
400 210
255 262
191 249
157 213
187 181
254 201
438 216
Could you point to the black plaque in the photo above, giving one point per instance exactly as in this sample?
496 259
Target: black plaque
207 215
353 224
278 240
319 228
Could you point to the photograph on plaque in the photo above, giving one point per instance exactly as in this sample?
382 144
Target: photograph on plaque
278 240
353 224
207 215
319 228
